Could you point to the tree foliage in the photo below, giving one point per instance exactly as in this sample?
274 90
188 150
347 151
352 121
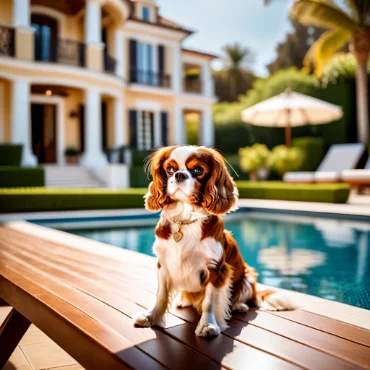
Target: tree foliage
292 51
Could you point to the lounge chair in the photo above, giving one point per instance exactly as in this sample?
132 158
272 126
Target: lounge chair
357 178
340 157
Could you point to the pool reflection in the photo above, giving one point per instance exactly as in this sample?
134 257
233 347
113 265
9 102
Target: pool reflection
324 257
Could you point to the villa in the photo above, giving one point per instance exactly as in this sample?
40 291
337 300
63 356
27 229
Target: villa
95 75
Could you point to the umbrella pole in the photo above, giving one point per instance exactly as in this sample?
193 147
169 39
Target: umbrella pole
288 130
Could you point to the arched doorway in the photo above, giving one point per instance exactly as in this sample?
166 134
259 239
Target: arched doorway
46 37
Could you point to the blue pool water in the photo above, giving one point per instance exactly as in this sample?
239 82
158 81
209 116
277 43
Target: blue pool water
328 258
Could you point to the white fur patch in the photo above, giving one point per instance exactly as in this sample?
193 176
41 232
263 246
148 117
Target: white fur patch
181 155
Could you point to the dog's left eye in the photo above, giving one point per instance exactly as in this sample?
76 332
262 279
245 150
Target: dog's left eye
197 171
170 170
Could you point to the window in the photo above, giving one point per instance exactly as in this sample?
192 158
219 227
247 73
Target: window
145 63
145 13
145 130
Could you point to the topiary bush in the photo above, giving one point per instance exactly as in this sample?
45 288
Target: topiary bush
41 199
313 149
283 159
138 177
278 190
11 177
10 154
253 159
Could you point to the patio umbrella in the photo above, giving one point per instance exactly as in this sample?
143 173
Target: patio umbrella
291 109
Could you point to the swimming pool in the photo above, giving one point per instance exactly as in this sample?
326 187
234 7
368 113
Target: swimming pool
324 257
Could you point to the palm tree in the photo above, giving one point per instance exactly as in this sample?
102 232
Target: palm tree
347 21
237 59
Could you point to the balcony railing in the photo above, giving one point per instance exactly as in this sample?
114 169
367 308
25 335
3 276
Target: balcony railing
63 51
7 41
150 78
192 86
109 64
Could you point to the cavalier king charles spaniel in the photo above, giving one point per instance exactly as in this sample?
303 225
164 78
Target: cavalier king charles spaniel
198 260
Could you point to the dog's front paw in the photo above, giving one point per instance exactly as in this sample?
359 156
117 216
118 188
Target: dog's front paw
148 319
207 330
240 307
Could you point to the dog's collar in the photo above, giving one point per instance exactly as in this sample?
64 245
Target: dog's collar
178 235
181 223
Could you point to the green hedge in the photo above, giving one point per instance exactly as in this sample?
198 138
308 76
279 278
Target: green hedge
10 154
41 199
139 156
138 177
329 193
12 177
313 149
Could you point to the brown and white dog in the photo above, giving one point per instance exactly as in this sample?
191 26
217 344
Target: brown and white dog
197 258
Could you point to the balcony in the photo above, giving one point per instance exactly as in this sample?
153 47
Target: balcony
67 52
150 78
193 86
7 41
109 64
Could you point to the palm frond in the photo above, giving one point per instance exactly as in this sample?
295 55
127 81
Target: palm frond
322 13
324 48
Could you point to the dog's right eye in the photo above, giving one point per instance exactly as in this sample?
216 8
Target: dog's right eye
170 170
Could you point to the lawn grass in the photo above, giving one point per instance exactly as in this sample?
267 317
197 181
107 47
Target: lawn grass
278 190
46 199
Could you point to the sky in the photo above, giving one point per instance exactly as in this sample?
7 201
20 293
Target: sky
220 22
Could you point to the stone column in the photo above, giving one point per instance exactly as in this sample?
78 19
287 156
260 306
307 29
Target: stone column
94 45
24 33
120 126
207 81
21 121
119 44
207 128
177 69
93 156
157 129
179 127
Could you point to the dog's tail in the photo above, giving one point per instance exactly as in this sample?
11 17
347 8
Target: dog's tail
274 300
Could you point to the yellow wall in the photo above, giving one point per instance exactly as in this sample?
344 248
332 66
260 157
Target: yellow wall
5 106
72 125
6 13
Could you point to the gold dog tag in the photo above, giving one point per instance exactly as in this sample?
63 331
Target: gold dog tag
178 235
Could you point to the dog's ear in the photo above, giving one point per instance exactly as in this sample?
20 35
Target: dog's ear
220 192
157 198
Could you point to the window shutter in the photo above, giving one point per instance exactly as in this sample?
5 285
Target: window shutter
133 128
151 123
164 128
133 60
161 59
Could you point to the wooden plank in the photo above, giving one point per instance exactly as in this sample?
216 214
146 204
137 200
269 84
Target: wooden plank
86 340
148 340
254 354
194 321
322 323
11 332
356 353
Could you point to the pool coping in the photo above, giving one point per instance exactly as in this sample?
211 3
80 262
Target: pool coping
339 311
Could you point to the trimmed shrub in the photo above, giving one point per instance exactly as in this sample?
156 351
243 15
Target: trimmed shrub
313 149
277 190
11 177
233 160
139 156
138 177
41 199
10 154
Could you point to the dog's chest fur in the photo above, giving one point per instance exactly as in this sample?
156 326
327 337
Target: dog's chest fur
187 259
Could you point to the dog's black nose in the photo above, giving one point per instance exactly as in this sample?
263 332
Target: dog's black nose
181 176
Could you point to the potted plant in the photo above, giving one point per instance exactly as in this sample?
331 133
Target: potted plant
72 155
253 160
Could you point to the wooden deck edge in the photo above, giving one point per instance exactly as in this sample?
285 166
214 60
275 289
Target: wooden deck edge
320 306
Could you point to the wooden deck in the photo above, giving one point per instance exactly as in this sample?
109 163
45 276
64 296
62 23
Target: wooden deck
88 299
